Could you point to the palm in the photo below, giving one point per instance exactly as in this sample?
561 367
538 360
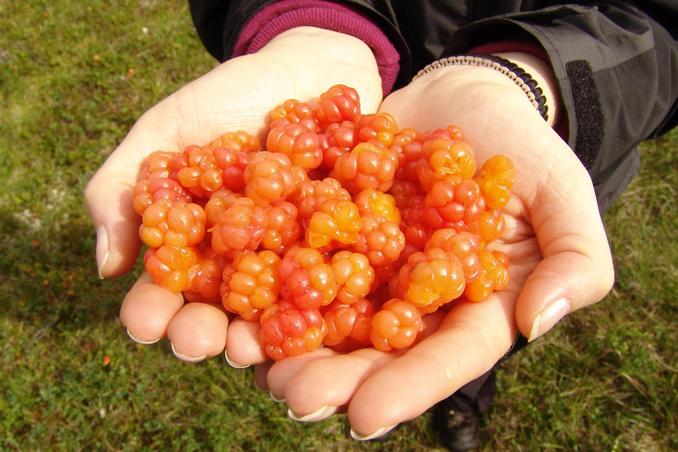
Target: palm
235 96
556 248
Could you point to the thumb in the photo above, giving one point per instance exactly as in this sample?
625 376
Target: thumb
109 198
576 269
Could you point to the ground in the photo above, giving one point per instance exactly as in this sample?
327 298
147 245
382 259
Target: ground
73 79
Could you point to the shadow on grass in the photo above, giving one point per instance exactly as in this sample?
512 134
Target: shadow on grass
49 276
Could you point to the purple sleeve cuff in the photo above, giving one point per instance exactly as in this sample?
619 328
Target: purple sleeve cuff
284 15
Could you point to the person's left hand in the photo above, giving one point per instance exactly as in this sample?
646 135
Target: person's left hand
559 262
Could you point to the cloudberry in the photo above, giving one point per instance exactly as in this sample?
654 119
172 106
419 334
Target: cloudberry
155 165
496 178
240 227
294 112
396 325
147 191
337 104
493 275
375 202
298 143
464 245
237 141
366 166
412 223
306 279
450 201
282 229
218 203
379 129
171 266
337 222
232 165
445 159
270 177
206 281
172 224
430 277
349 326
341 137
251 283
288 331
313 193
353 274
380 240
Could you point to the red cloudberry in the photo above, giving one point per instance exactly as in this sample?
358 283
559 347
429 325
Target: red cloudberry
282 229
298 143
251 283
449 202
147 191
366 166
288 331
464 245
313 193
306 279
240 227
341 137
349 326
396 325
206 280
380 240
294 112
337 104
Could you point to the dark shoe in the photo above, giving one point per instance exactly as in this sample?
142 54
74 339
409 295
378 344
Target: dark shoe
458 431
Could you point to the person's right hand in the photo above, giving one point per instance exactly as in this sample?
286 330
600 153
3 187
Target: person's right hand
300 63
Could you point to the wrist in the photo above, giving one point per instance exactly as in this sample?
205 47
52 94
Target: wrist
544 76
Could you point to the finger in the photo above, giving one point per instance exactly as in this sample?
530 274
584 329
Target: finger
261 375
148 309
283 371
108 196
471 339
577 268
325 384
198 331
242 347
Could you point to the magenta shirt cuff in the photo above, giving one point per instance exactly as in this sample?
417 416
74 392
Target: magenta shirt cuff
287 14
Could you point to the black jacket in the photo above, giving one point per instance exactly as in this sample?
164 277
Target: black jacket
616 63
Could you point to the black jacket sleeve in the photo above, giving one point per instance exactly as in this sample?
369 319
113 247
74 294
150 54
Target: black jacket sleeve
616 69
616 63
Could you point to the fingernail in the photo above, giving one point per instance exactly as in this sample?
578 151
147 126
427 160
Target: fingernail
187 358
275 399
380 432
548 317
102 249
141 341
260 388
234 364
318 415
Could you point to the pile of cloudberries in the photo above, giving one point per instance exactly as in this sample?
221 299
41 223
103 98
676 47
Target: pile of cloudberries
340 230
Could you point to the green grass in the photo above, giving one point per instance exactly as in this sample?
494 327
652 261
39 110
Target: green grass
606 378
